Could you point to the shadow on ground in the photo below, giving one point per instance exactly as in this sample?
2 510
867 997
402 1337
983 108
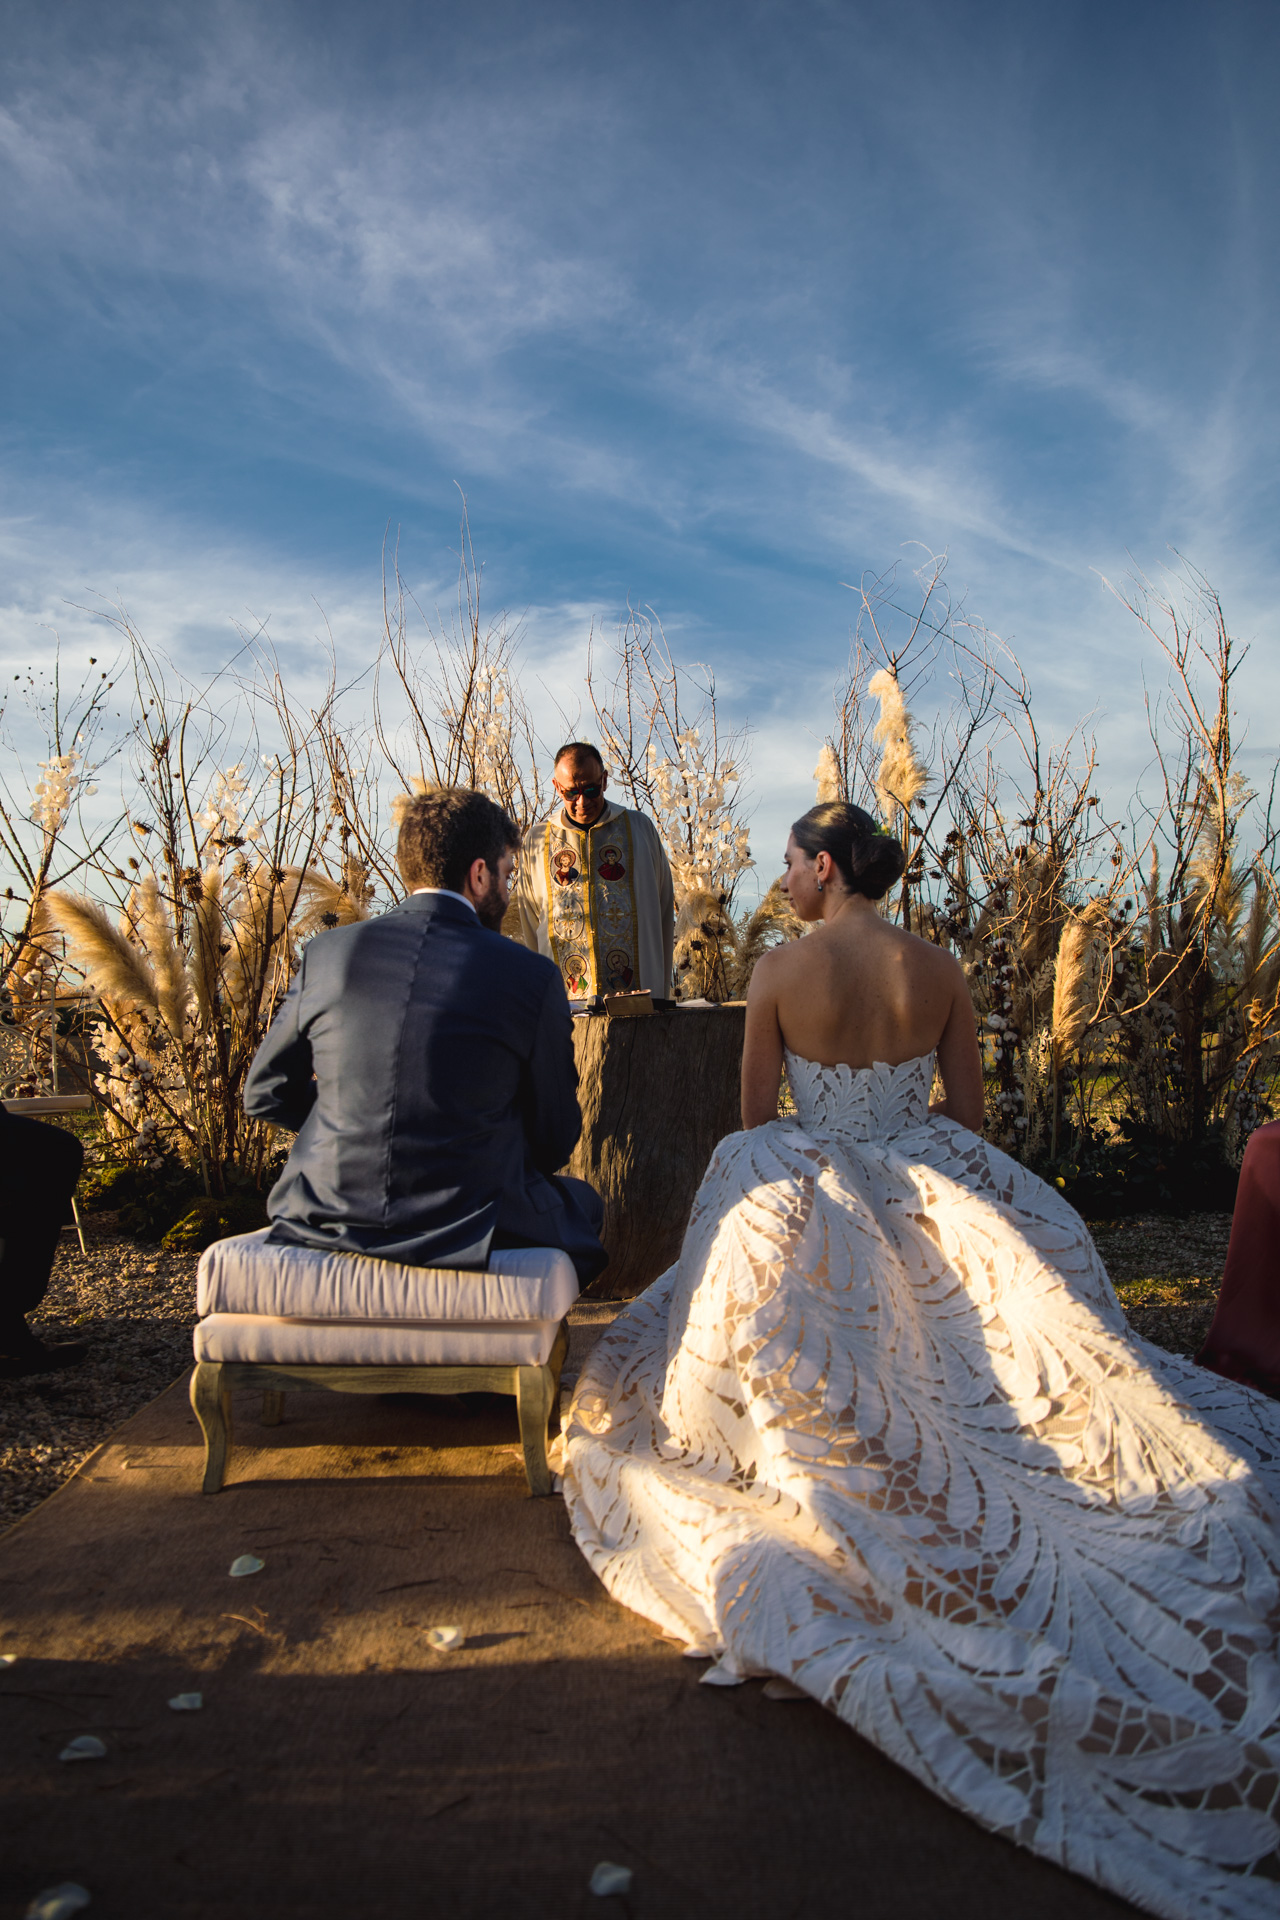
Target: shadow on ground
341 1767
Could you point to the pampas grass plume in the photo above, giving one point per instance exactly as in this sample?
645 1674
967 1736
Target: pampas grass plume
901 779
773 920
208 941
706 941
114 968
827 775
315 900
250 933
1074 1001
172 981
401 801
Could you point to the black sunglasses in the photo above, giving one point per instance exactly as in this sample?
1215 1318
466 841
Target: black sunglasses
591 792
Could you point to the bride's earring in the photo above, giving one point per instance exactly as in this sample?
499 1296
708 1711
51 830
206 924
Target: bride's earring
819 886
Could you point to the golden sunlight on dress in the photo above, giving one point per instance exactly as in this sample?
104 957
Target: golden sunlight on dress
884 1431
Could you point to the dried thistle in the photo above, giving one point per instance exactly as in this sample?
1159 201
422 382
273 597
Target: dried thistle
313 900
357 884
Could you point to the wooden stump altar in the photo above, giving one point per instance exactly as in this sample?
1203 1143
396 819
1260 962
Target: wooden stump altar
656 1096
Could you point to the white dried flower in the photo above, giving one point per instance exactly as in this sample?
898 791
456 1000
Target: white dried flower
444 1639
54 791
60 1902
221 817
708 849
607 1877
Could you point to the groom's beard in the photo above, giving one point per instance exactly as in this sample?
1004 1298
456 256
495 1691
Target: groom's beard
491 908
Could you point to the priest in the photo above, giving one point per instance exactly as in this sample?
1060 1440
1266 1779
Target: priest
594 890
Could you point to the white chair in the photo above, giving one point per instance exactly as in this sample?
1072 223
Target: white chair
288 1319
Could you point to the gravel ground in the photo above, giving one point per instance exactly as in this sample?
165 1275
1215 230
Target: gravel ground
136 1307
1167 1274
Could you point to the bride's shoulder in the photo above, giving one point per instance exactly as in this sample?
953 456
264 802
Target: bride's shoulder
935 969
929 953
776 963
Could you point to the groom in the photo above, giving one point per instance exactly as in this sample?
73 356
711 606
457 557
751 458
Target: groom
426 1065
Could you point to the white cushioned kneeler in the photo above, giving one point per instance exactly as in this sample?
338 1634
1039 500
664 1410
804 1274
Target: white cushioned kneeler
266 1340
347 1322
249 1274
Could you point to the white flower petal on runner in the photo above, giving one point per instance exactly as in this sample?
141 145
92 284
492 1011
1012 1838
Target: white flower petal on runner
59 1903
445 1639
608 1877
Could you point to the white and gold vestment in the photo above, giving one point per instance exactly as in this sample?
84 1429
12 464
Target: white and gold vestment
598 901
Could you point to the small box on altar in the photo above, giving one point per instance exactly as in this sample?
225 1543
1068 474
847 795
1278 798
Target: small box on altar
628 1006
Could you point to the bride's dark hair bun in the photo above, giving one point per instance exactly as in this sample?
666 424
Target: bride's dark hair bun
868 860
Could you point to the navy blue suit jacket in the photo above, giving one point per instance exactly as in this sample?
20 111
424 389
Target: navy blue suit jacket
444 1092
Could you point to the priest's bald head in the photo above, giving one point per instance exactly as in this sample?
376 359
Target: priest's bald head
580 780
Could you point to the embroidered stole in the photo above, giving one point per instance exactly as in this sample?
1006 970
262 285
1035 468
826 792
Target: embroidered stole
591 913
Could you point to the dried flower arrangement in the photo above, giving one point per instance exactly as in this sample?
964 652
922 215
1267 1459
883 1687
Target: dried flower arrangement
1126 974
1116 1009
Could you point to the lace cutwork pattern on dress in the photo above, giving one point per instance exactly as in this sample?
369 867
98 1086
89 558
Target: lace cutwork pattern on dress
884 1431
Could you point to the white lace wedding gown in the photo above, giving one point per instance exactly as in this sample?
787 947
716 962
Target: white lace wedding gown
884 1431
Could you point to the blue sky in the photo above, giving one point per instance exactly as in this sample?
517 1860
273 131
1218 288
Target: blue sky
711 306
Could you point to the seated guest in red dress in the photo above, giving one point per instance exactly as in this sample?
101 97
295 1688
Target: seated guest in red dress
1244 1341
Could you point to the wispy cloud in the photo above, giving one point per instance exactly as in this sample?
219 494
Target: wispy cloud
711 324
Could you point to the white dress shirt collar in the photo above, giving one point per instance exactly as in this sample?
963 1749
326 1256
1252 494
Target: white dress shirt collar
452 895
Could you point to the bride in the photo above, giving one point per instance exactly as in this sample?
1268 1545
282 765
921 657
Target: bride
883 1431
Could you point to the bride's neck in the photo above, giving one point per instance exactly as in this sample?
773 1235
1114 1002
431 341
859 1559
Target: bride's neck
841 906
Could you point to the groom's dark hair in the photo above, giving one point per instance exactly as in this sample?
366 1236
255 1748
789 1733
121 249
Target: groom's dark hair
446 829
867 859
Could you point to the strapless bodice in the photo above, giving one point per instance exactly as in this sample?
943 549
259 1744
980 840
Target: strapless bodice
871 1103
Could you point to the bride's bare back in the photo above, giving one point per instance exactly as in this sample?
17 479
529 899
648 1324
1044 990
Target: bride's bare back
855 992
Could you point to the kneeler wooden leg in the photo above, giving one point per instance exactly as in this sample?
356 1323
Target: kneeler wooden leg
211 1403
535 1391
